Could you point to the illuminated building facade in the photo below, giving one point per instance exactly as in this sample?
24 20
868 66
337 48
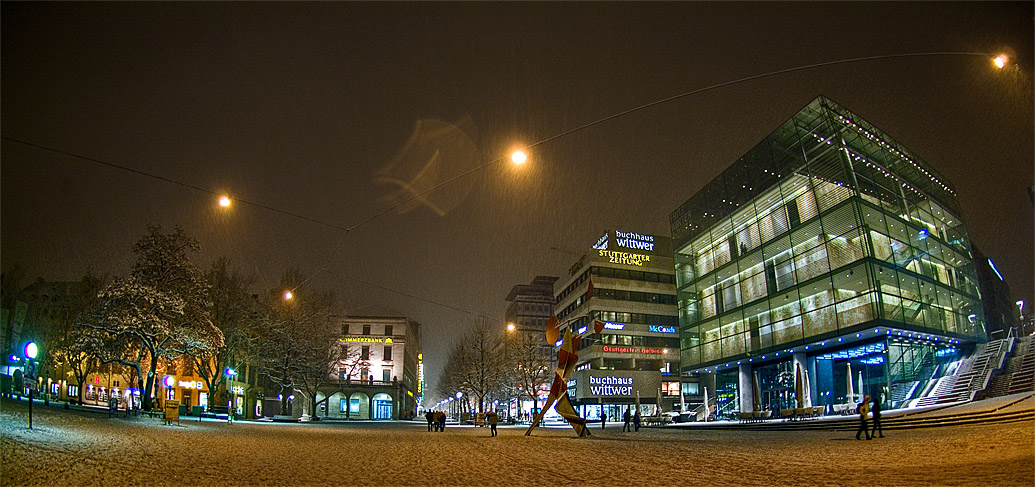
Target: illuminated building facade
637 354
378 374
827 245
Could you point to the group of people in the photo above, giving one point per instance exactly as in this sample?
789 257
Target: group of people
864 409
436 420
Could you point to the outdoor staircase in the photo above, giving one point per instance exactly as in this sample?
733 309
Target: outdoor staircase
972 377
1019 374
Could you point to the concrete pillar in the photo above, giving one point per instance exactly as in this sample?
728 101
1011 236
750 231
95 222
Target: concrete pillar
747 397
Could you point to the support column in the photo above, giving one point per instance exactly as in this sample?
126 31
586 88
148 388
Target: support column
747 397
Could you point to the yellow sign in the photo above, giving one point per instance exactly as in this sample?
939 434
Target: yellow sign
624 257
365 339
172 410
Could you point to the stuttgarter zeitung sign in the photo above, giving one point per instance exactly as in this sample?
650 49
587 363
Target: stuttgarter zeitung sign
624 257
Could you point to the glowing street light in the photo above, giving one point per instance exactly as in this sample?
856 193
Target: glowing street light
518 157
30 354
511 327
288 295
1001 60
224 201
230 373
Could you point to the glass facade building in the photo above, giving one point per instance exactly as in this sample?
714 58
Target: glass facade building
831 236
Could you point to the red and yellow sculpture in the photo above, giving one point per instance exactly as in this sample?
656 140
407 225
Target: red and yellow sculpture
567 357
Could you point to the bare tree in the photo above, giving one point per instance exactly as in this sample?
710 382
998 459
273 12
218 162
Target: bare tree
235 313
476 364
531 365
296 344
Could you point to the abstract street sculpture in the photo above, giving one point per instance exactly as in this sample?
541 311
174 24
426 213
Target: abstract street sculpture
567 357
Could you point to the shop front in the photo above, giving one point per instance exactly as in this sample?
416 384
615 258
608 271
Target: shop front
594 392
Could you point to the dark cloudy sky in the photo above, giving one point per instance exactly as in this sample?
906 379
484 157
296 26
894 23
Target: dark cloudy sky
306 108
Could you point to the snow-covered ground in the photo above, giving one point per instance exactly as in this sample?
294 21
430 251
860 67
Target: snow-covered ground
79 449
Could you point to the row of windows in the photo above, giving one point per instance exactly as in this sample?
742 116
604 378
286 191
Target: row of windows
364 353
629 274
626 318
365 329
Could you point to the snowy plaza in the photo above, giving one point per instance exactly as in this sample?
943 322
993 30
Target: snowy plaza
87 448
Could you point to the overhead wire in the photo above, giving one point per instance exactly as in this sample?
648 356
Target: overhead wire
485 165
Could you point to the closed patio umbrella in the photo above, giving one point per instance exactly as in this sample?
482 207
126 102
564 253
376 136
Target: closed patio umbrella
851 391
755 392
862 390
799 399
706 403
808 391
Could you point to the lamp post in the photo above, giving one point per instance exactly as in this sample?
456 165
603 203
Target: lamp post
230 373
30 364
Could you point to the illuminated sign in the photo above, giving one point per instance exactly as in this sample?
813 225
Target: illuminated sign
611 386
582 330
661 329
191 385
624 257
601 243
656 351
572 388
634 240
614 326
366 339
420 374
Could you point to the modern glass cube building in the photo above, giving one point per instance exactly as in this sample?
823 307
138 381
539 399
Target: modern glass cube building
827 248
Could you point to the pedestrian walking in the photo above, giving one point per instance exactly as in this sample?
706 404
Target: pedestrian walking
876 416
492 419
430 416
636 420
603 420
863 410
626 418
441 421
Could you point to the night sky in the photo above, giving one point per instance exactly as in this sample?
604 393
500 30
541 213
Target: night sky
313 109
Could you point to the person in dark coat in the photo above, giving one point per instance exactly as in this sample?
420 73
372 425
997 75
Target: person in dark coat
876 417
441 421
603 420
863 410
626 417
430 416
492 419
636 420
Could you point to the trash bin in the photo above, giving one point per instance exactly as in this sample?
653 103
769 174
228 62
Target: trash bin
196 411
183 410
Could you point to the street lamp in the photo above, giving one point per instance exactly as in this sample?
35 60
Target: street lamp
225 201
230 373
30 363
518 157
1001 60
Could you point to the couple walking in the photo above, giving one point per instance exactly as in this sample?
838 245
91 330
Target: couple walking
863 409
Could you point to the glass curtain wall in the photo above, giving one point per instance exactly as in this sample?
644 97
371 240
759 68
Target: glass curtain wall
811 234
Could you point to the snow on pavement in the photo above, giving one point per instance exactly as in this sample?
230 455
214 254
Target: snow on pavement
69 448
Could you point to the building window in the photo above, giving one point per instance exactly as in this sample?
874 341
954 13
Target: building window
55 387
345 329
388 330
386 375
366 329
73 391
388 353
364 353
